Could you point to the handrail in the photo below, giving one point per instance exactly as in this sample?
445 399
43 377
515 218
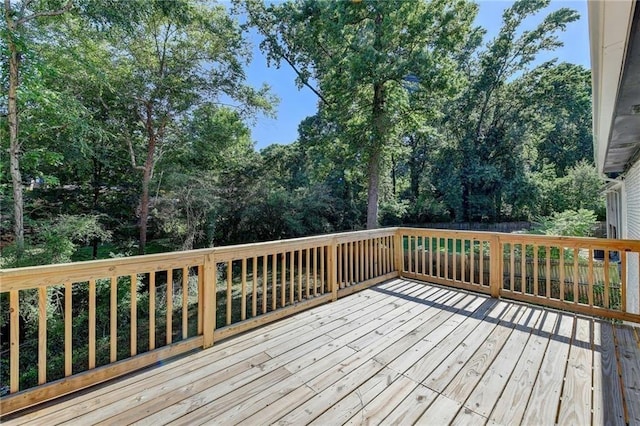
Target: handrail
24 275
160 305
143 309
553 271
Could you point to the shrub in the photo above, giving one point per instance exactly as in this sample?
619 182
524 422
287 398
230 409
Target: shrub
574 223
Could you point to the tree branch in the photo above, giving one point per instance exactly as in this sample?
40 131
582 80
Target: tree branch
132 154
265 32
7 16
25 5
164 51
305 82
64 9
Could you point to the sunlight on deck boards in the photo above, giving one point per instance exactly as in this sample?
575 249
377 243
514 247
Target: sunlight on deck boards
400 352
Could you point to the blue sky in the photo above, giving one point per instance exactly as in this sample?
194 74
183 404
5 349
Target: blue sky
296 104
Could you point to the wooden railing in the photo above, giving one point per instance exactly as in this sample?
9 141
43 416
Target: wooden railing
133 312
458 258
101 319
584 275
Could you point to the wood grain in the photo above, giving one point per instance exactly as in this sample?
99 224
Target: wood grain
629 359
503 368
351 362
92 324
42 335
68 328
512 402
152 315
575 406
608 405
548 384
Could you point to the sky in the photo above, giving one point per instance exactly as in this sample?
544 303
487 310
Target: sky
297 104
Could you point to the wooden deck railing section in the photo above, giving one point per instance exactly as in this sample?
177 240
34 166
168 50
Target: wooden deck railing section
142 310
559 272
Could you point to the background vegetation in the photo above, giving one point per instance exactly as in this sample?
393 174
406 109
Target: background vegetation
133 132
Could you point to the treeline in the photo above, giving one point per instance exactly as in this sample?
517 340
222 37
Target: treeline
129 131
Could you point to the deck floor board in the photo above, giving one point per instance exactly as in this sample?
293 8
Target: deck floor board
400 352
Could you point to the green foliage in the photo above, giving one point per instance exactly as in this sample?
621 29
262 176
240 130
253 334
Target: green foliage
487 124
393 212
56 240
580 189
216 138
574 223
560 117
462 129
273 199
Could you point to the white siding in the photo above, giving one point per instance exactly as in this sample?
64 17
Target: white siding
631 209
633 280
614 213
632 189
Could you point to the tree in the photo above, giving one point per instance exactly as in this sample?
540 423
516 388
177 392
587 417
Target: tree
572 222
580 188
366 57
485 115
559 115
334 164
180 55
41 112
57 240
216 142
16 17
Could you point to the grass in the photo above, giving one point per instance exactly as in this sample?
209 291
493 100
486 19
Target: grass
437 244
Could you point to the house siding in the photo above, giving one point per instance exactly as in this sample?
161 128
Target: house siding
614 214
632 186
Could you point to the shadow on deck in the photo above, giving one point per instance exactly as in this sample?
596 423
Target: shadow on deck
400 352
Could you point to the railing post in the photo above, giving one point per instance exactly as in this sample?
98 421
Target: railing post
398 253
332 267
14 339
208 300
630 281
495 270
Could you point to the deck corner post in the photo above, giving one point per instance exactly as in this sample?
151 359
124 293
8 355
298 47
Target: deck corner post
208 300
332 268
495 272
398 252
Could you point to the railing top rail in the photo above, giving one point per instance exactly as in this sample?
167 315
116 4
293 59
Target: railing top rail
439 231
35 276
604 243
316 239
38 276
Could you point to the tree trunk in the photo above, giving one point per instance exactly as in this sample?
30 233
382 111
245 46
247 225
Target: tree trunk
95 184
144 199
414 173
14 144
393 175
497 204
372 193
415 181
12 115
373 167
144 210
379 133
467 152
465 200
152 139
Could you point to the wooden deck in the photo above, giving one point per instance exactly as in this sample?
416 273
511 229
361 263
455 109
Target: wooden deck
401 352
